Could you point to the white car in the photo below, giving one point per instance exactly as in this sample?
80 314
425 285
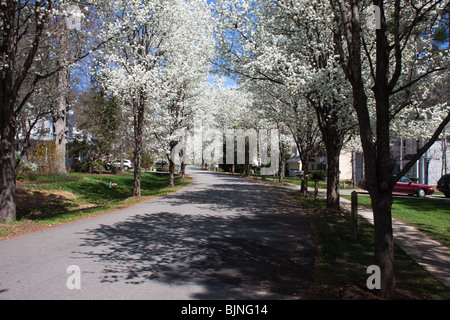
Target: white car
127 164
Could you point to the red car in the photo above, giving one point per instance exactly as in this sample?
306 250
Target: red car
406 186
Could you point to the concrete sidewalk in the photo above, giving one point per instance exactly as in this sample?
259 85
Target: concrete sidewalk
430 254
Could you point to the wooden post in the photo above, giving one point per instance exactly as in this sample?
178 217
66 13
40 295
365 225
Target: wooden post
354 214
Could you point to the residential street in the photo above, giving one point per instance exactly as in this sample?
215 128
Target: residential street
221 237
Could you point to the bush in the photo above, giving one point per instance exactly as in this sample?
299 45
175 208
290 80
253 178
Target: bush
319 175
26 168
46 158
88 165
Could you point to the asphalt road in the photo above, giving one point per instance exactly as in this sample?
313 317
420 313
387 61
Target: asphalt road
222 237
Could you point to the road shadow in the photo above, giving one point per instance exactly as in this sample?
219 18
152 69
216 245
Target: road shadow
245 241
231 257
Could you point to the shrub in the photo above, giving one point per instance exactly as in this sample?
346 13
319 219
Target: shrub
318 175
46 157
88 165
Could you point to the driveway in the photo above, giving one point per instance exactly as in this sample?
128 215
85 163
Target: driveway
222 237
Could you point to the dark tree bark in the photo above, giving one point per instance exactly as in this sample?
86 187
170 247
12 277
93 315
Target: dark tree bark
22 31
333 138
282 172
333 155
385 71
183 170
7 160
13 73
304 159
172 164
138 122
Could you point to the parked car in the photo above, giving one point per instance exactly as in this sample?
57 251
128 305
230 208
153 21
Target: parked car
406 186
160 164
127 164
443 185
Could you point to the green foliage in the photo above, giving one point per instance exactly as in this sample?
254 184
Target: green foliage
46 157
319 175
99 118
24 170
88 165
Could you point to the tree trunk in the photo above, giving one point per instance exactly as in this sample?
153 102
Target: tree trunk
282 164
60 119
333 149
60 124
138 128
171 173
384 243
7 162
333 201
305 169
121 155
382 195
183 170
172 146
379 181
7 131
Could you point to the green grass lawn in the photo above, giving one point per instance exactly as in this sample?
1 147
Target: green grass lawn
342 262
429 215
63 198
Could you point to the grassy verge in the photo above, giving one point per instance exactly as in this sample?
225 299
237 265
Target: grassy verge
429 215
342 263
48 201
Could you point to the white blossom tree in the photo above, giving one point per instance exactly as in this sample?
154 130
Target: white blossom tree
294 117
386 70
27 33
287 44
156 62
389 69
186 70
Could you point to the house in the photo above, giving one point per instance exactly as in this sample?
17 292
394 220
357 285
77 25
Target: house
294 166
430 167
44 130
350 165
427 170
317 162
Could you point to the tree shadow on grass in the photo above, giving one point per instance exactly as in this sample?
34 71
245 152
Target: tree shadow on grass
35 204
80 194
